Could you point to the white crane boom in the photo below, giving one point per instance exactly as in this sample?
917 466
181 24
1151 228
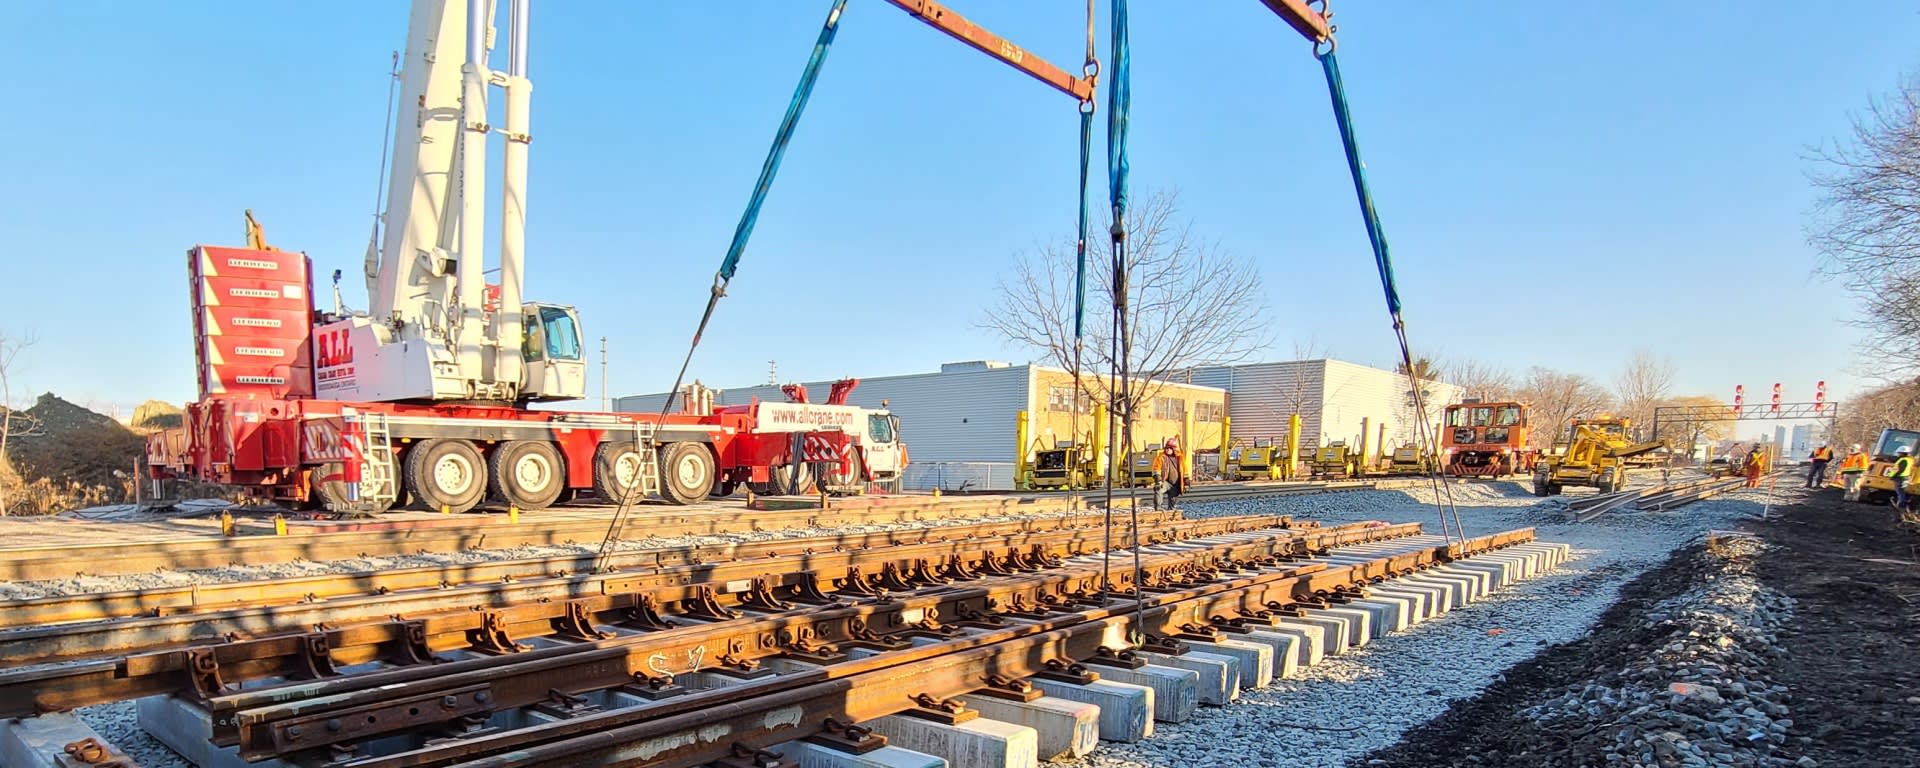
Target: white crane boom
433 330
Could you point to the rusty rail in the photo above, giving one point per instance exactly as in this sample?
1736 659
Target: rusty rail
726 577
564 608
484 532
707 726
285 719
205 598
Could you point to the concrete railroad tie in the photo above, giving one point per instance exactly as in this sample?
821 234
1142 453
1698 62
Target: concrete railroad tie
1067 721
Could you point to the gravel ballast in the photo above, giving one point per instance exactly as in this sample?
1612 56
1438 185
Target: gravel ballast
1349 706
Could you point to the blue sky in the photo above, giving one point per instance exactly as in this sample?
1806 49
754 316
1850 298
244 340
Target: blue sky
1561 182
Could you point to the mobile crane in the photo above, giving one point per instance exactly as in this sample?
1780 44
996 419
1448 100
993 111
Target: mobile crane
425 396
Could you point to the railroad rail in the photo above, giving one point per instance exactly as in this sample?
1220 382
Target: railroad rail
1650 499
1010 637
201 655
485 532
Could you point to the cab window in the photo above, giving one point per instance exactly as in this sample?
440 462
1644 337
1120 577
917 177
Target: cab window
562 334
1481 416
533 344
1456 417
880 428
1508 416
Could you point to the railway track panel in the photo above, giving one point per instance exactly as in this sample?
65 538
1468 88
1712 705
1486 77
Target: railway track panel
995 643
202 654
204 598
483 532
648 648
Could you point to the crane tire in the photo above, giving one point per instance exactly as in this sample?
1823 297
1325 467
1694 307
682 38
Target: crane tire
528 474
447 473
686 472
616 473
791 479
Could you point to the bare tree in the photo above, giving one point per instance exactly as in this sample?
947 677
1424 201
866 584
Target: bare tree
1892 405
1191 304
1557 398
1866 225
1643 385
12 423
1481 379
1425 370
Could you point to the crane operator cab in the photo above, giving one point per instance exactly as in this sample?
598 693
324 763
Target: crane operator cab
556 365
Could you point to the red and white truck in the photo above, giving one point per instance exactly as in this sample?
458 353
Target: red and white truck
425 398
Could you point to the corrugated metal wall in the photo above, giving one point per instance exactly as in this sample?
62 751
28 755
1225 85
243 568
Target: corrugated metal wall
1263 395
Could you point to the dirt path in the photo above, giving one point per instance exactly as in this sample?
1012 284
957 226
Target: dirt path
1854 645
1843 667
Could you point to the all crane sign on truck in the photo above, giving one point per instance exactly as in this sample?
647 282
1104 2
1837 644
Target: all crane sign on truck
425 398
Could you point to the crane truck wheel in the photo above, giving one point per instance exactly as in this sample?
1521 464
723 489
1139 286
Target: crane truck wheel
447 473
686 472
616 473
528 474
330 491
791 479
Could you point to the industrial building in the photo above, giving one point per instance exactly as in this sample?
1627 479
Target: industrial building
961 423
1333 398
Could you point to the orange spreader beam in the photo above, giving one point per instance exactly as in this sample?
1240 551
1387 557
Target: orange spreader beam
1302 18
944 19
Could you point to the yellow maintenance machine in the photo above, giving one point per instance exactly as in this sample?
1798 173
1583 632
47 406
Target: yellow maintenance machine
1335 460
1595 456
1876 487
1261 461
1066 466
1410 460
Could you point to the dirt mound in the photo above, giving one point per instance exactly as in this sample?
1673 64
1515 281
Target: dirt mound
62 455
155 415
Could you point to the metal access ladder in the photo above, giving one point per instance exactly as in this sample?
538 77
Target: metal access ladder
643 444
379 478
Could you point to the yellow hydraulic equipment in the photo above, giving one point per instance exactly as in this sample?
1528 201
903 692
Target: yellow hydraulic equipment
1065 466
1877 485
1141 464
1595 456
1335 460
1410 460
1261 461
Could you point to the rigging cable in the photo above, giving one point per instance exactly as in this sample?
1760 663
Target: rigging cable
744 231
1119 106
1383 262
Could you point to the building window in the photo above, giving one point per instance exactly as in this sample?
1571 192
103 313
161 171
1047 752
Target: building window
1169 408
1059 400
1209 413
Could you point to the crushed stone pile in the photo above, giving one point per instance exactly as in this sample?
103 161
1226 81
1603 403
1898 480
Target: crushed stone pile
1698 694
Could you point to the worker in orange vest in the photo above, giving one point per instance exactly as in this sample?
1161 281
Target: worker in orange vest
1756 463
1169 473
1817 473
1852 469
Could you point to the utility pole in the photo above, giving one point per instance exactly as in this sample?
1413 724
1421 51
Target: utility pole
605 403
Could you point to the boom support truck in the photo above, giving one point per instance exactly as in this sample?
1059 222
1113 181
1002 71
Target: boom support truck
425 398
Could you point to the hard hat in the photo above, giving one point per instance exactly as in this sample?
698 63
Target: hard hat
1856 446
1173 443
1904 449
